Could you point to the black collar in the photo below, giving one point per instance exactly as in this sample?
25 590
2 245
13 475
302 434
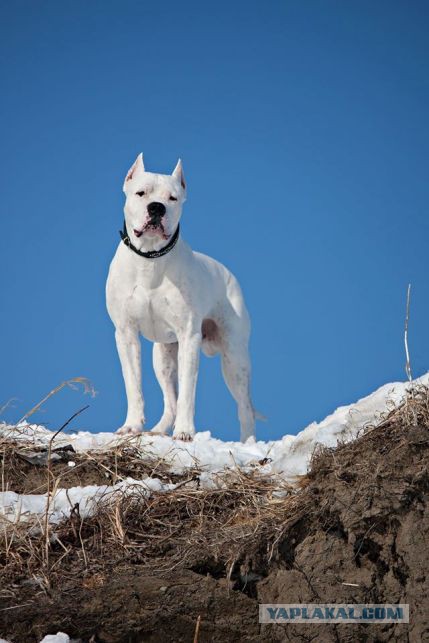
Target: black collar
151 254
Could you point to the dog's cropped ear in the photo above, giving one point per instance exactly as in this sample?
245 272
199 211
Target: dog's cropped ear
178 174
136 167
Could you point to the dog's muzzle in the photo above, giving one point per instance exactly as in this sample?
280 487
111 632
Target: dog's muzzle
156 211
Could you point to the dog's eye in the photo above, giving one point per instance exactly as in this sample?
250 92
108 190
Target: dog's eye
141 193
173 198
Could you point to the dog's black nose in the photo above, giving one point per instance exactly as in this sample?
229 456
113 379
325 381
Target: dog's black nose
156 210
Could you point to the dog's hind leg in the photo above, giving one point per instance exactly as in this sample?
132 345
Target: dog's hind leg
165 367
236 373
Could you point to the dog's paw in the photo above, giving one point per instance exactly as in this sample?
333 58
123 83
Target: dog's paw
185 436
130 429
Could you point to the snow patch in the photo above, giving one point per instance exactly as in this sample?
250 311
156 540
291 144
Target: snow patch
60 637
18 507
288 457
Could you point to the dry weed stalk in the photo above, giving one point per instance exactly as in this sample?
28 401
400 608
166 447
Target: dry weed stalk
407 352
87 386
56 482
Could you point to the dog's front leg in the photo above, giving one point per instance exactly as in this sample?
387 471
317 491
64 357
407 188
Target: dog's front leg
188 360
129 349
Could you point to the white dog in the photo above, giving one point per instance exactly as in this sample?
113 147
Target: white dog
181 300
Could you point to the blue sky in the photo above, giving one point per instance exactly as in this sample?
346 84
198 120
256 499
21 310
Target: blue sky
304 135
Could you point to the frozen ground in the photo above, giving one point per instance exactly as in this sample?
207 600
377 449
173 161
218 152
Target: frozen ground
288 457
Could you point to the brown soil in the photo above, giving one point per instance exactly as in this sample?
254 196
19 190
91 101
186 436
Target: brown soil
147 569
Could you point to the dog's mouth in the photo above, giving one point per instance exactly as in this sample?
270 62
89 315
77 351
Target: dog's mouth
154 230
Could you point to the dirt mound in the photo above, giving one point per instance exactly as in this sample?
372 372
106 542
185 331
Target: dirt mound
196 562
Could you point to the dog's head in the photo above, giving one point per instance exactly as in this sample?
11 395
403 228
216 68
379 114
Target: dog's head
153 205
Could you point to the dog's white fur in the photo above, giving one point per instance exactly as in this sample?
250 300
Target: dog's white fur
183 301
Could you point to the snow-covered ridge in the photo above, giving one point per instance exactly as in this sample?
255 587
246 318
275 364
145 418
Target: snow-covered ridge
288 457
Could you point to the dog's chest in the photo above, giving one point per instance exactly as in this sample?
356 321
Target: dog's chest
151 310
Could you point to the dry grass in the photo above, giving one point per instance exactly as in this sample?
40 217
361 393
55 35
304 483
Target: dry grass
413 410
400 423
171 529
221 531
115 464
179 528
182 527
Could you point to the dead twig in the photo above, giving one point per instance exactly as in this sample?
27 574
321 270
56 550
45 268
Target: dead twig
48 481
88 388
197 629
